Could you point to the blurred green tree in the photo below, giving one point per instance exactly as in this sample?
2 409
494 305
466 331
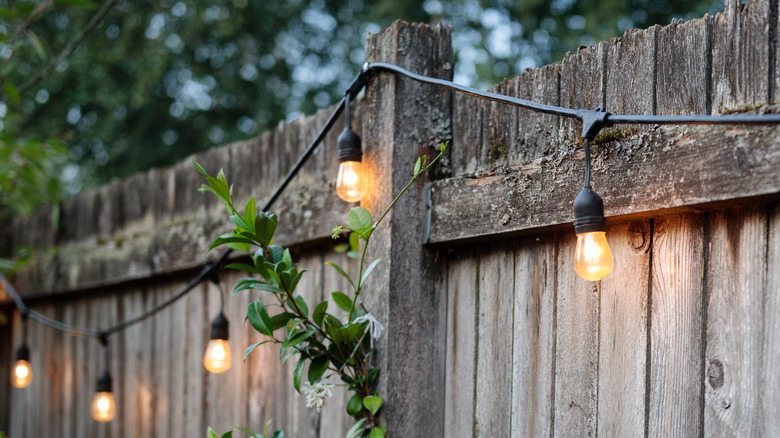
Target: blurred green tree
131 85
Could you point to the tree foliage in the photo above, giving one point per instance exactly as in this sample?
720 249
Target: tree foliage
156 81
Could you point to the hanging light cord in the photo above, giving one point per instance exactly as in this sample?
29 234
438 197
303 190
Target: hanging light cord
593 121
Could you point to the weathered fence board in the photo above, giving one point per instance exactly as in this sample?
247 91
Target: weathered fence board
736 281
675 396
684 67
770 379
576 347
623 332
462 323
494 338
533 340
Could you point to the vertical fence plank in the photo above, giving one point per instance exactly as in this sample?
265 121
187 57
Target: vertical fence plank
676 327
623 345
631 72
736 276
177 355
494 359
163 367
462 323
576 347
740 56
683 67
533 345
770 391
582 86
196 338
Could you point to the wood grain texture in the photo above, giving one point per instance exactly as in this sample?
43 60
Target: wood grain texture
402 290
631 63
623 332
684 67
770 392
713 166
533 344
462 323
736 287
582 87
576 347
494 354
676 320
740 56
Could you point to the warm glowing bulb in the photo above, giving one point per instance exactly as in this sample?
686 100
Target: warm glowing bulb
592 257
349 183
103 407
21 374
217 357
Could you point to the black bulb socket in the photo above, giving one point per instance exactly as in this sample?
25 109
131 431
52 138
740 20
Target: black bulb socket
589 212
23 353
219 327
104 382
350 146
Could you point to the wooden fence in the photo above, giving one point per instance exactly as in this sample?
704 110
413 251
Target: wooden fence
489 332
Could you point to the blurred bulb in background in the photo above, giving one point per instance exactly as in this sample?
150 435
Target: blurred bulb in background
217 357
21 374
103 407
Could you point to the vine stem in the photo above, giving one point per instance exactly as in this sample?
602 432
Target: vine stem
414 179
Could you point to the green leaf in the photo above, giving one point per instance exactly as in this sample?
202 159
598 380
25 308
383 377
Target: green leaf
317 368
210 433
359 220
357 429
302 305
265 225
253 283
372 403
341 271
258 317
372 375
367 272
417 166
297 373
319 312
294 281
280 320
277 253
250 213
287 258
222 240
252 347
378 432
355 405
278 434
298 338
239 222
343 301
228 434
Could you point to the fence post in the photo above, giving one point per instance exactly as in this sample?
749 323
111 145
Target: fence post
402 120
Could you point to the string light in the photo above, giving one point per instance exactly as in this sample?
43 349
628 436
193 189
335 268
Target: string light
350 182
21 373
103 404
217 357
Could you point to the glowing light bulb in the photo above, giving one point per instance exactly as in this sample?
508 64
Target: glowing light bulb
103 406
350 181
217 357
21 374
592 257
